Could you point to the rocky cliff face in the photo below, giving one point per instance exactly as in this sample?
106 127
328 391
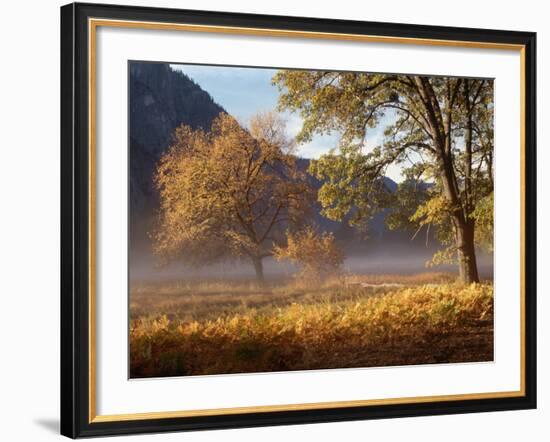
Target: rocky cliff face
161 99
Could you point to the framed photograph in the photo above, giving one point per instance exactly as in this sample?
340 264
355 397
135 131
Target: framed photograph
279 220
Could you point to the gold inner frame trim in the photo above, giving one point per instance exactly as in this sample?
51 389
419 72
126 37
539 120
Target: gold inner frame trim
93 24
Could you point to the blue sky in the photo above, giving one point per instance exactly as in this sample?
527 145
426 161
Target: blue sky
244 92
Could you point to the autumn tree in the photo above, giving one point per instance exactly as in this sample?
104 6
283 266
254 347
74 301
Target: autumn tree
439 129
316 253
228 192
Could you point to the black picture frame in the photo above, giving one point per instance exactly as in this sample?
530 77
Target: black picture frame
75 219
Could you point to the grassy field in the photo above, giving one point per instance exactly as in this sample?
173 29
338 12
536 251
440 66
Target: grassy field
361 321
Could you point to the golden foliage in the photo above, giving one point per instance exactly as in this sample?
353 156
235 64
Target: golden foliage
226 192
484 219
411 325
316 253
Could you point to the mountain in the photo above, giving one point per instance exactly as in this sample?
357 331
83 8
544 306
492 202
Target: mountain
161 99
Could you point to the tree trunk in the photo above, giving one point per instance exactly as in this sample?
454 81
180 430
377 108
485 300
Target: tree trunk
463 226
259 268
467 263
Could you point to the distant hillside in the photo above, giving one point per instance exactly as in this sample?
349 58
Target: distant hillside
161 99
377 236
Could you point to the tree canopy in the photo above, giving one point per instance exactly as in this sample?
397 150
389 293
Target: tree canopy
438 129
316 253
228 192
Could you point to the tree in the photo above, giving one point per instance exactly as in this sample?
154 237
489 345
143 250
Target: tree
439 129
229 192
316 253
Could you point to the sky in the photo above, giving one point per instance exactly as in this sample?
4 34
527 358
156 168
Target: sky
243 92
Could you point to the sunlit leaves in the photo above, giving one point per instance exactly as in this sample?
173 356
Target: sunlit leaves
437 130
316 253
484 218
228 192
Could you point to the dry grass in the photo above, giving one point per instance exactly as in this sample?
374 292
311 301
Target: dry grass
195 300
413 279
192 329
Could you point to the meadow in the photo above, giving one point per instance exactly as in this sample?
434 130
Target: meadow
220 327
